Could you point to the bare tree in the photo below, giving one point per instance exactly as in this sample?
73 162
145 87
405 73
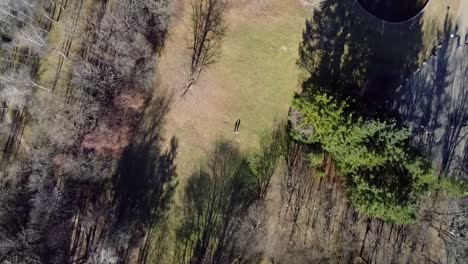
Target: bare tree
208 29
104 256
121 50
249 239
24 19
20 13
17 88
35 39
450 218
56 182
20 78
27 11
59 124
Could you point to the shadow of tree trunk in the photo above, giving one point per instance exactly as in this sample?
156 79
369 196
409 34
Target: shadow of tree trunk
213 198
145 181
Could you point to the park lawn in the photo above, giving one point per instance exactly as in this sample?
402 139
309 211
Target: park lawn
258 69
254 80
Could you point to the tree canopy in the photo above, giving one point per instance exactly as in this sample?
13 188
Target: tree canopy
384 176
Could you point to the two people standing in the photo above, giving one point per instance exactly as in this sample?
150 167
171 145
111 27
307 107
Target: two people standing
236 126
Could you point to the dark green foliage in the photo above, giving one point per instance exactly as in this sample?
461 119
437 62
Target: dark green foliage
347 56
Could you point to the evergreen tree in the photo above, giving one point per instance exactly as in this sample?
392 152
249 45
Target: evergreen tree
383 176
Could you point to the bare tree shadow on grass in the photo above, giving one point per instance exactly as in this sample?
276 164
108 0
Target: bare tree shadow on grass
145 180
213 198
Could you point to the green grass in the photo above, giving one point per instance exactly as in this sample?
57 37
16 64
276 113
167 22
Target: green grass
254 80
258 67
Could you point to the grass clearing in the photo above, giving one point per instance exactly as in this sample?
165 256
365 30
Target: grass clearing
254 80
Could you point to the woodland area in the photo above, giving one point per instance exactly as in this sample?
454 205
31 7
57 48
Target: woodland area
61 201
85 178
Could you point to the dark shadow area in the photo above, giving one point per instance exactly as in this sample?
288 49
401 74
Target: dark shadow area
434 102
393 11
144 170
351 55
364 62
214 198
418 99
145 180
454 138
375 67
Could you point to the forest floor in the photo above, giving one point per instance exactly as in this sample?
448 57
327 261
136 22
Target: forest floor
54 71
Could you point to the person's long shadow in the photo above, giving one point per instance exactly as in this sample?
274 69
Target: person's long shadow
145 179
